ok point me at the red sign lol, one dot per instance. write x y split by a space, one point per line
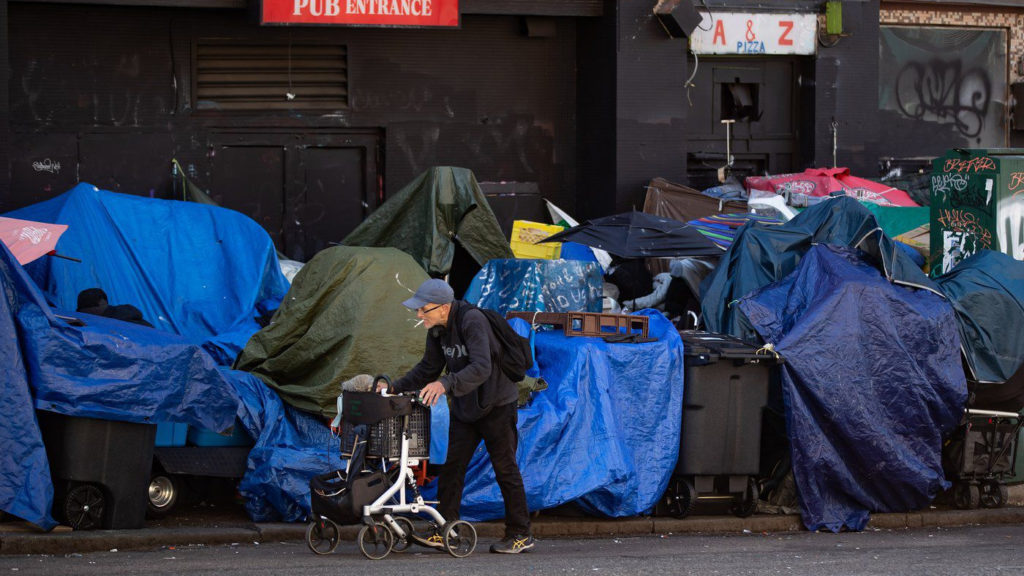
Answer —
434 13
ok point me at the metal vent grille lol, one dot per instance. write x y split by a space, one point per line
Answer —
237 76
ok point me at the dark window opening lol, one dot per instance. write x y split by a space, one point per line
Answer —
739 101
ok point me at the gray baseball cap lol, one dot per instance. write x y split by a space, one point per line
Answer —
433 291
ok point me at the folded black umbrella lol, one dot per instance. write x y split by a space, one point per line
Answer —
640 235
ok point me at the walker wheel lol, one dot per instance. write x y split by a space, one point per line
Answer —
966 496
746 504
322 536
459 538
375 541
402 543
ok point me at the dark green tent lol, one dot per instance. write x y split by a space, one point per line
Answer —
343 316
440 205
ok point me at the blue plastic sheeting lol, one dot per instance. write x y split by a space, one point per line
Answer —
605 433
871 384
987 292
574 251
762 254
291 447
107 369
537 286
202 272
25 487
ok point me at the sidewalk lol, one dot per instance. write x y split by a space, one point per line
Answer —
18 538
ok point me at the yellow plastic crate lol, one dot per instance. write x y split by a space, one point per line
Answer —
526 234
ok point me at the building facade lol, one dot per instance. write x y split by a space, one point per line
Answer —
308 128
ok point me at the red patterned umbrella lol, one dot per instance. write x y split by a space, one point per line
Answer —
29 240
825 181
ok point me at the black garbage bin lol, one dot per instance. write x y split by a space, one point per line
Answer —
724 394
100 470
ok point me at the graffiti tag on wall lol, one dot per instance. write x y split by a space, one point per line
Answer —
962 235
944 91
1010 226
975 165
942 87
1016 183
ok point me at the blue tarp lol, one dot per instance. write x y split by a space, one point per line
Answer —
871 384
537 286
202 272
604 433
107 369
987 292
761 254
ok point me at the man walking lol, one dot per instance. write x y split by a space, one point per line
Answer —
483 406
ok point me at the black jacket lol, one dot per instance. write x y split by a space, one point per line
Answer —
469 350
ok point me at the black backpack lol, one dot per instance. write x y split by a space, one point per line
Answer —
516 356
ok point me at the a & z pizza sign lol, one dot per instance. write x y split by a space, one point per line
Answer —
740 33
415 13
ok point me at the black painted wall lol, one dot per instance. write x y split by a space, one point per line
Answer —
105 93
631 107
846 90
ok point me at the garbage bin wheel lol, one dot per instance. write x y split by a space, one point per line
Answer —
992 494
746 503
163 494
966 496
83 507
322 536
679 498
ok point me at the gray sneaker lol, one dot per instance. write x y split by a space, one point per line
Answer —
513 545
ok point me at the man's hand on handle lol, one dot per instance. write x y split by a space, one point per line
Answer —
431 393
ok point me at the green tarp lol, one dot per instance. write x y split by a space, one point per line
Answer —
440 205
343 316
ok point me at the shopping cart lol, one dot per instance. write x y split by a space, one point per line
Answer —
384 437
981 457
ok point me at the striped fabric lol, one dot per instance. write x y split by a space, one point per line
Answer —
721 228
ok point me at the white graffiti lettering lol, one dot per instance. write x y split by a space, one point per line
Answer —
46 165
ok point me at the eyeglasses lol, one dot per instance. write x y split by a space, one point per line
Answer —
421 310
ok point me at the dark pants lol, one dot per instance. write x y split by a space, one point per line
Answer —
499 433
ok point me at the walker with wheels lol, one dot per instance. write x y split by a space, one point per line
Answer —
380 430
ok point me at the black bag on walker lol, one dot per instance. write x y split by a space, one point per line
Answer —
370 407
333 496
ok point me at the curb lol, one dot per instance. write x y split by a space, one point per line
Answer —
19 542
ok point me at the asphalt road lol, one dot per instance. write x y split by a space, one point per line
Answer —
989 550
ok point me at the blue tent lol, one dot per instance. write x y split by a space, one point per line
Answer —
202 272
106 369
871 385
761 254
